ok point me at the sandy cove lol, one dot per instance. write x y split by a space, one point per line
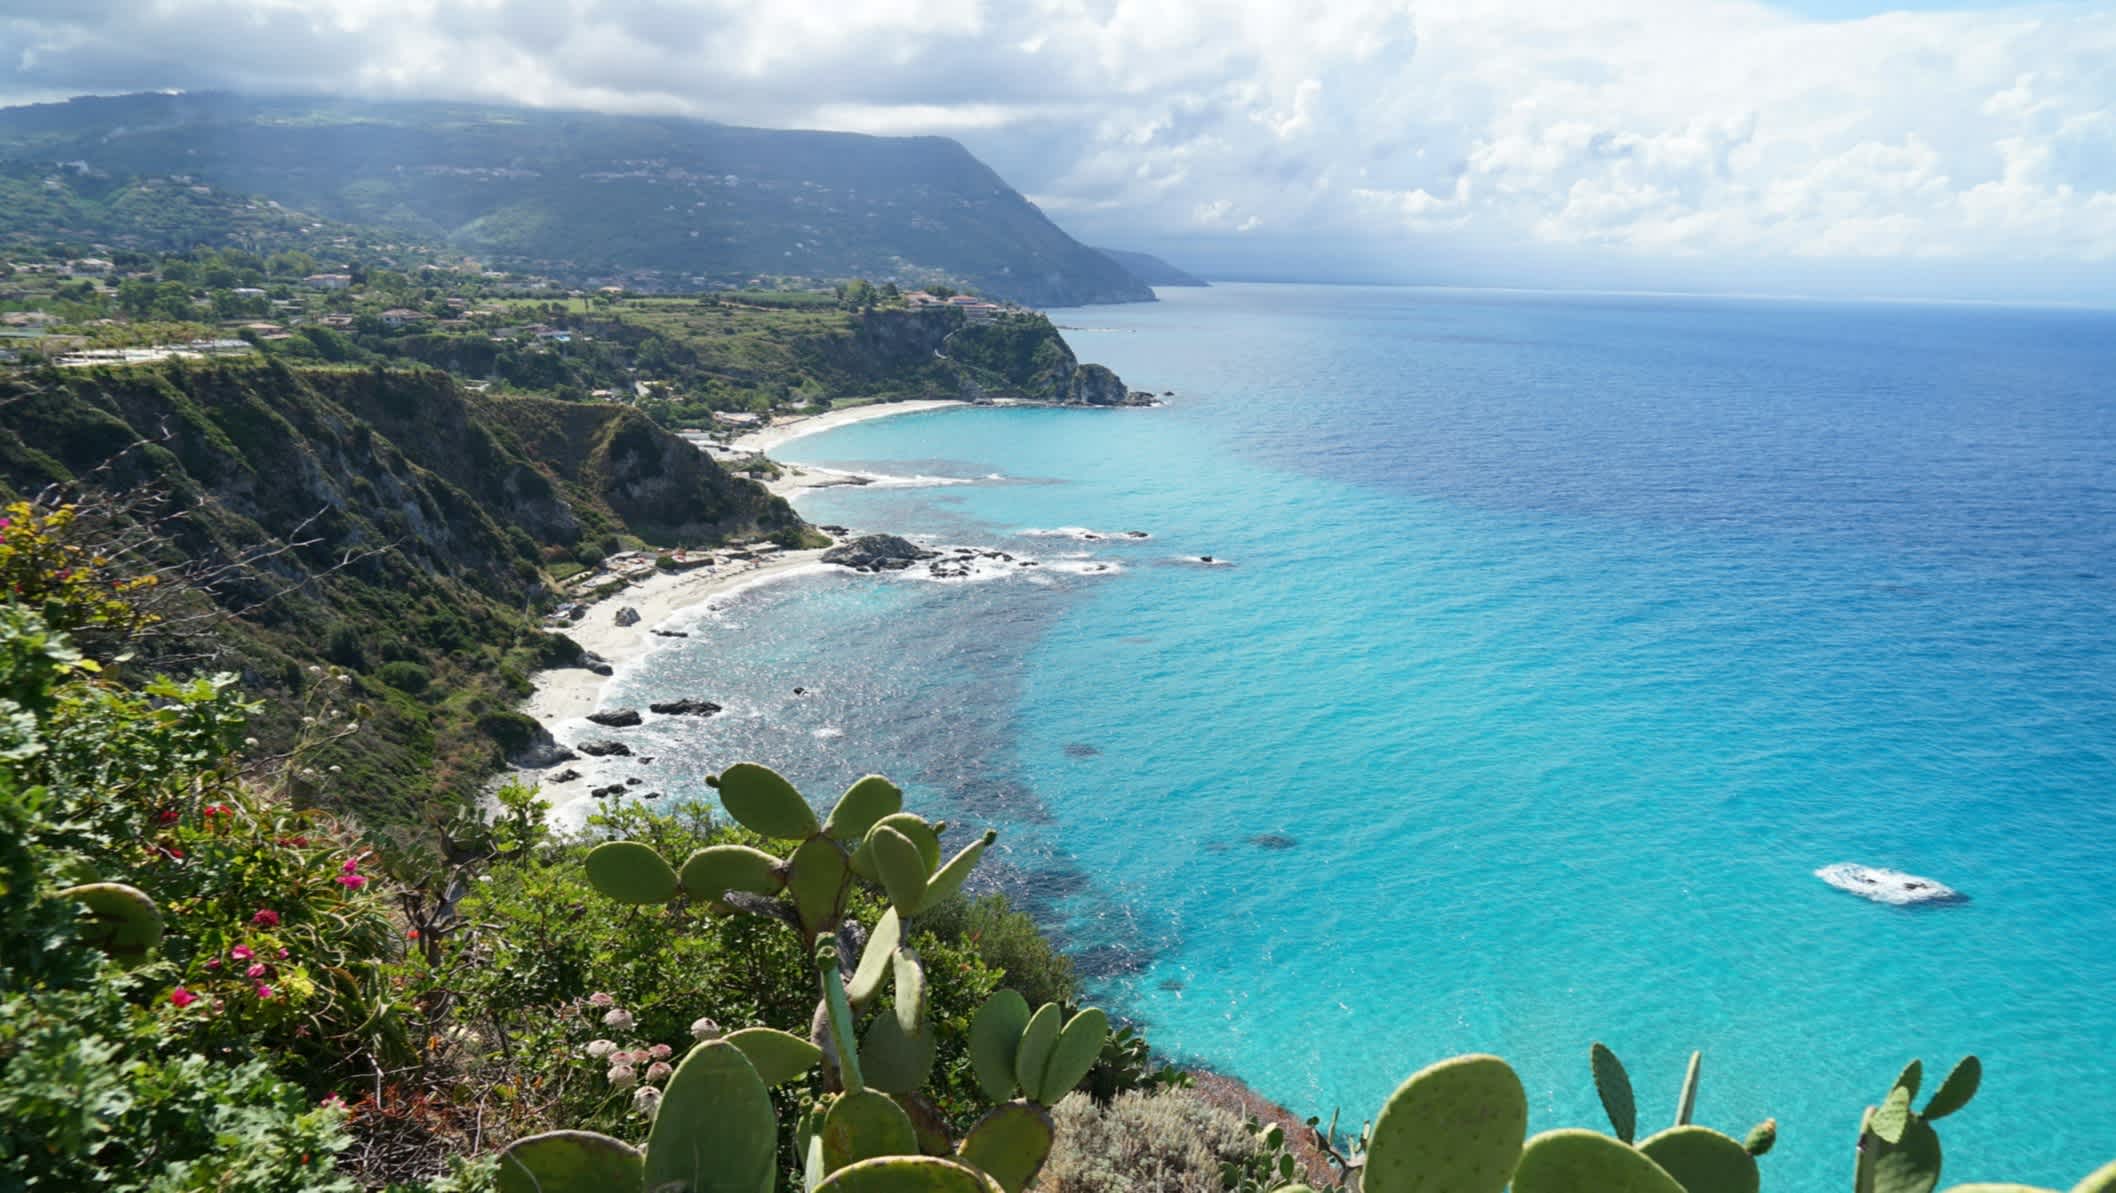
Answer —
569 693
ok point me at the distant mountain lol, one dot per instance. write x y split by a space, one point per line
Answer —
1151 269
660 202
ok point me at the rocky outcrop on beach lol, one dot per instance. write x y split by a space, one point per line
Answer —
1097 385
878 553
616 718
605 749
686 707
539 750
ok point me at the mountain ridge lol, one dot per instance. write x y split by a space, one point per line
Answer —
657 202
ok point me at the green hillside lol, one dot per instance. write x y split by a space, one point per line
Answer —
664 202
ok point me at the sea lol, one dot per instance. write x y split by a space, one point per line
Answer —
1549 645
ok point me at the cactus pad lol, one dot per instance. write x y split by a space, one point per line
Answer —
121 920
1010 1143
910 991
1079 1044
1585 1162
1911 1165
1890 1121
715 1132
1613 1085
2103 1180
630 873
863 803
903 871
909 1174
1033 1055
777 1056
818 880
949 878
863 1124
717 869
1703 1161
995 1037
1686 1104
921 833
1454 1127
765 803
570 1162
1911 1077
894 1061
1955 1092
874 960
1762 1138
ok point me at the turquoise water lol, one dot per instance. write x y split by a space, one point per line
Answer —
1563 640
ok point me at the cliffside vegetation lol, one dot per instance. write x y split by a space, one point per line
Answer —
382 521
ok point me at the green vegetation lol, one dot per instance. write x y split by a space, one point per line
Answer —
663 204
382 521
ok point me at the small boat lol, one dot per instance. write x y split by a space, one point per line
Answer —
1887 886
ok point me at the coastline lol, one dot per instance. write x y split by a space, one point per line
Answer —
570 693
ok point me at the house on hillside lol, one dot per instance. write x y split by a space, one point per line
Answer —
403 317
328 281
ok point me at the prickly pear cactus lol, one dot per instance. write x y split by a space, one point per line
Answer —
764 803
1613 1086
1079 1045
630 873
995 1039
863 803
1703 1161
777 1056
1010 1144
120 920
1586 1162
715 1132
909 1174
1957 1089
1455 1127
863 1124
570 1162
717 869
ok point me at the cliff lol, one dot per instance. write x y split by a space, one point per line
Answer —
395 518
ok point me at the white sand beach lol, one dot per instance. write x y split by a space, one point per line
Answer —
570 693
787 430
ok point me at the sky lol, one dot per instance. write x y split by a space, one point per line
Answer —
1933 148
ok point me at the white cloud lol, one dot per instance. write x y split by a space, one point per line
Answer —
1707 132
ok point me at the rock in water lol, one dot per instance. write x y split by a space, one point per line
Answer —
687 707
616 718
1887 886
605 749
878 552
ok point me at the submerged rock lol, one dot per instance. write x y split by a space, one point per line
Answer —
616 718
1887 886
686 707
1273 841
878 552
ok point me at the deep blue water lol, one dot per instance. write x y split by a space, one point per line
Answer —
1565 638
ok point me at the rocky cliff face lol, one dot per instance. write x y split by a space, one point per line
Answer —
1024 356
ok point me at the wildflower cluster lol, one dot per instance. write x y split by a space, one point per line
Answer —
641 1069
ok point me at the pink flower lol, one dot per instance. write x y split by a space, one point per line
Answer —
241 952
255 972
333 1101
282 954
658 1071
264 991
182 997
660 1051
351 882
212 963
351 864
599 999
265 918
167 816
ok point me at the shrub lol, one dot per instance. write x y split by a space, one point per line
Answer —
512 730
406 677
1168 1142
1008 941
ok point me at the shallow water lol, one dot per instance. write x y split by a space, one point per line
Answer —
1563 640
